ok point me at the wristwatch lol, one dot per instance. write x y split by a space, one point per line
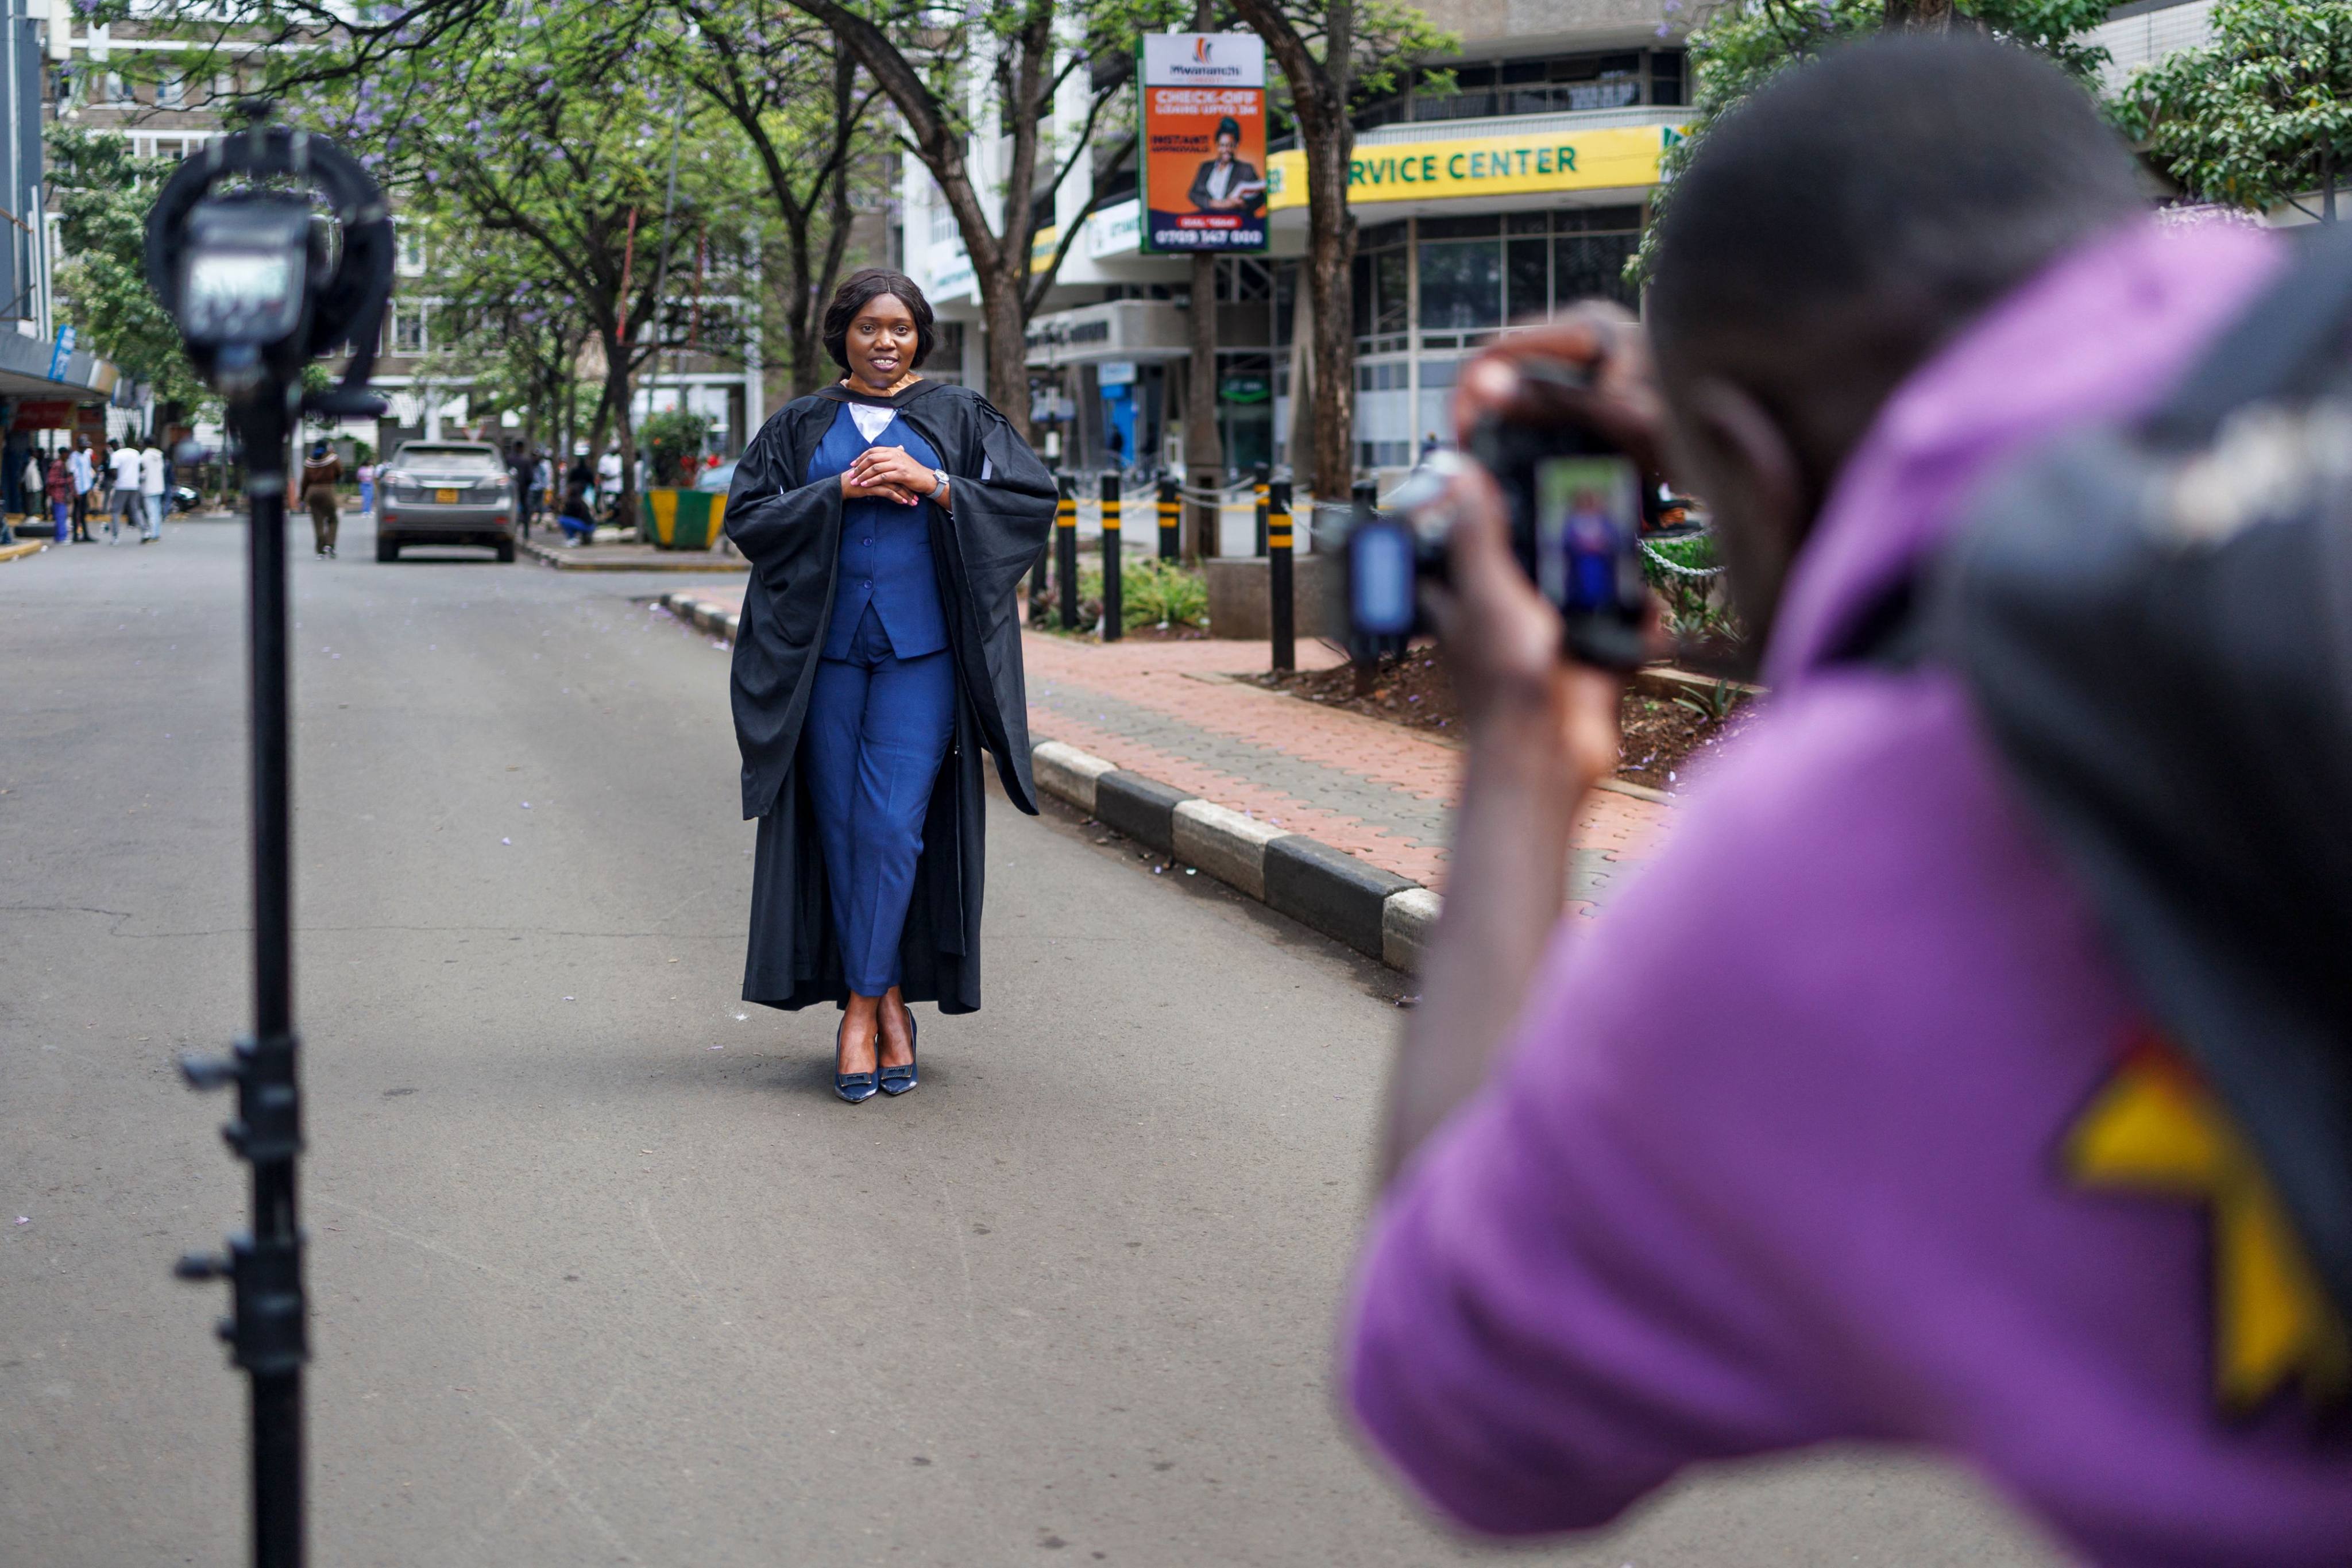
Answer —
941 476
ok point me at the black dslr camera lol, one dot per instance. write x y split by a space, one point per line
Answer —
1576 506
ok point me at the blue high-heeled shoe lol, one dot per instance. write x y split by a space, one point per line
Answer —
898 1081
856 1087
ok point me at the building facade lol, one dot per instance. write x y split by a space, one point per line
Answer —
1494 188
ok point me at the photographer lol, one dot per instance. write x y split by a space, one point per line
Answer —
1774 1155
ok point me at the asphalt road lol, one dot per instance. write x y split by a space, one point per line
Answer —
601 1271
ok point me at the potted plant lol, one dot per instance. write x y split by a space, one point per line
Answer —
683 518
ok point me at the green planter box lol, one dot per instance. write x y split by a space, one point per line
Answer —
686 520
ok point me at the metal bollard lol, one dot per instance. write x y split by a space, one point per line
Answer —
1281 617
1113 625
1262 474
1065 550
1170 512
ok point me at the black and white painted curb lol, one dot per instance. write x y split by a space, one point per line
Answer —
1377 912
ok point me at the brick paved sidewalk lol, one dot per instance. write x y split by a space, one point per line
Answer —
1174 712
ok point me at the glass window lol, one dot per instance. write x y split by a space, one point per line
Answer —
1590 266
1461 285
1389 272
407 330
1586 220
411 250
1460 227
172 91
1666 76
1527 280
1359 285
1527 223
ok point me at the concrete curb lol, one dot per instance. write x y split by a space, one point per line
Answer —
1377 912
23 548
564 559
701 616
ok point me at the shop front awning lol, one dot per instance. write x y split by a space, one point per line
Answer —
1117 330
36 370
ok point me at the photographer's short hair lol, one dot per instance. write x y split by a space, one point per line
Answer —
860 289
1893 187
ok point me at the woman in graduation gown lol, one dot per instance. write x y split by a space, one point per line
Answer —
888 521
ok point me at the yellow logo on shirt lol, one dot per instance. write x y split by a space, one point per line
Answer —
2156 1127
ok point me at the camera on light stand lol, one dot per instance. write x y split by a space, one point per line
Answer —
261 282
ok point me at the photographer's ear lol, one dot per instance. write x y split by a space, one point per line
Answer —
1742 463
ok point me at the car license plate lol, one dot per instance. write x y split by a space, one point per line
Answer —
444 498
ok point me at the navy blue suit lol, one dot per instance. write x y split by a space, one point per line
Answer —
881 710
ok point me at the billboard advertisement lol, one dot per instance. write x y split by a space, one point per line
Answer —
1204 141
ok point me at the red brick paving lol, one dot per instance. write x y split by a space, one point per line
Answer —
1168 714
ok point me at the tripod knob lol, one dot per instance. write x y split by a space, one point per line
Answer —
210 1072
199 1266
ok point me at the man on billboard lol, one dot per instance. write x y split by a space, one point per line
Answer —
1225 183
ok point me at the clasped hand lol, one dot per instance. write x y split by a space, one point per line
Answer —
890 473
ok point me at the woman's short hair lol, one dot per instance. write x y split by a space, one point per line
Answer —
860 289
1226 127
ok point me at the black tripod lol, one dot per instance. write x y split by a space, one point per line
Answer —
260 283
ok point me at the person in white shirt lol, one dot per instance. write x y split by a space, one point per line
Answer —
125 464
85 479
608 478
150 491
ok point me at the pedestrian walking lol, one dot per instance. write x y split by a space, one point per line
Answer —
124 462
322 471
1908 1159
542 483
34 482
153 473
887 519
367 488
84 469
579 516
57 484
522 471
608 483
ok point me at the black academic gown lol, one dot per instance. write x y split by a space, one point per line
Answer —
790 532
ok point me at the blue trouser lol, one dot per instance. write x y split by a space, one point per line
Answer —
878 729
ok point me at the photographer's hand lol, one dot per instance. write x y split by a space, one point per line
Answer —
1541 731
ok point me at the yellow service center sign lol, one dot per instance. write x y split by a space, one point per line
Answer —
1613 159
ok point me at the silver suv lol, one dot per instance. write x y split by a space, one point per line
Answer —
444 492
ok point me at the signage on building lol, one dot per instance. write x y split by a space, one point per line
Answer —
1619 157
1114 330
1116 230
62 352
1201 140
45 415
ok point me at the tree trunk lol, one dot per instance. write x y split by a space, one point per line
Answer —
1205 454
617 393
1007 346
1330 251
1922 16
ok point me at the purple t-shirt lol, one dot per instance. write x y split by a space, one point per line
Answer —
1774 1159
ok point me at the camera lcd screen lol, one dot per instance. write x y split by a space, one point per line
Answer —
1381 578
1588 519
230 282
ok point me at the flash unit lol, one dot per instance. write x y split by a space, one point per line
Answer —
243 277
